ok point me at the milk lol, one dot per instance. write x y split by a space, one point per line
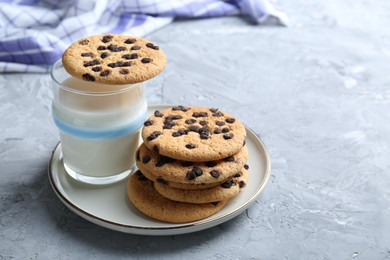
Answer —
99 127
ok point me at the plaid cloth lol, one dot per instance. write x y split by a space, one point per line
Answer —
34 33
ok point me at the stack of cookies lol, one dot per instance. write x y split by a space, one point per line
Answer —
192 161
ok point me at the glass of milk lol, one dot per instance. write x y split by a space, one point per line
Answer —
99 126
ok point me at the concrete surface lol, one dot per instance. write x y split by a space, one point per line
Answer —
317 92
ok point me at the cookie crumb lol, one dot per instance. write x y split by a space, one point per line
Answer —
83 42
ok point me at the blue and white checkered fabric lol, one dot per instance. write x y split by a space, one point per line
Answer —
34 33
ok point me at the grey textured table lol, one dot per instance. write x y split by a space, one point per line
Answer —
317 92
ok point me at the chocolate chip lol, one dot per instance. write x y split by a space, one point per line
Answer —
115 48
130 41
97 69
92 63
107 38
213 110
225 130
246 166
241 184
218 114
193 128
104 55
155 149
190 146
140 176
179 133
168 125
182 132
162 181
157 113
228 184
195 172
137 156
135 48
119 64
244 142
168 121
210 164
153 136
152 46
124 71
230 120
228 136
88 77
229 159
176 134
237 175
200 114
131 56
215 203
101 48
146 60
174 117
162 160
215 173
198 171
204 133
105 73
186 164
148 123
190 175
180 108
84 42
87 54
159 164
190 121
220 123
203 122
146 159
217 131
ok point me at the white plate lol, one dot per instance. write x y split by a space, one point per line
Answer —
108 206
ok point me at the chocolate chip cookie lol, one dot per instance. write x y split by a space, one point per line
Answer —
186 172
145 198
196 134
226 190
114 59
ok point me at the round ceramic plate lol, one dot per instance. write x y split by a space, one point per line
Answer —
108 206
